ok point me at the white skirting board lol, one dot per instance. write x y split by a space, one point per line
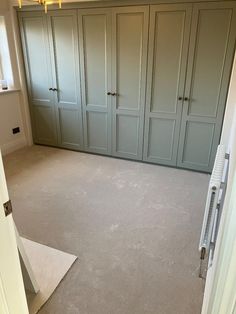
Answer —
49 267
13 146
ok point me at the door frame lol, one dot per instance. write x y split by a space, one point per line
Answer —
219 296
12 291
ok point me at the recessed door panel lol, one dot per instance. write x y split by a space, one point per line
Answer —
69 127
210 50
198 143
67 96
38 64
168 48
130 33
95 51
44 128
127 134
97 130
161 134
94 27
210 58
168 43
64 51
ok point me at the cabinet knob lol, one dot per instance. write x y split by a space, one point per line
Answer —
114 94
180 98
50 88
55 89
108 93
186 99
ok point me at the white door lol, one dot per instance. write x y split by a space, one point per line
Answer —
12 293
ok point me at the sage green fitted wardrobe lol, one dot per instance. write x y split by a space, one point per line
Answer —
141 82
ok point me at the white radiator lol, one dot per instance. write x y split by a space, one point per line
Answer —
211 216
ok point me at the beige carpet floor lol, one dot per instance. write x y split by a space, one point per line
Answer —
135 228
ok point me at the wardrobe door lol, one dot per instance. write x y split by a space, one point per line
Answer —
95 53
64 53
168 48
129 57
35 43
210 58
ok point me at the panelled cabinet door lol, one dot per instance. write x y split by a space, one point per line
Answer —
39 75
129 58
210 59
168 48
95 55
65 60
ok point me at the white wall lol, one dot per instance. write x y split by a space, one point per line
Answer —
230 108
3 5
11 117
14 104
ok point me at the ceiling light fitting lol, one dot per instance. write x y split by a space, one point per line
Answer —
45 3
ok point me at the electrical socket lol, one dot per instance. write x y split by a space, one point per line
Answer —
16 130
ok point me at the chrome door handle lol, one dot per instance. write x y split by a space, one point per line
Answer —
112 94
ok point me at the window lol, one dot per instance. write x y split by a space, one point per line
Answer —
6 76
1 71
1 61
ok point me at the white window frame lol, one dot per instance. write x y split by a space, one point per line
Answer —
1 70
6 72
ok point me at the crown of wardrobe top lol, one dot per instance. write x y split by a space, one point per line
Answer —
116 3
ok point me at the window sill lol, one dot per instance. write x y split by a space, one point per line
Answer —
7 91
